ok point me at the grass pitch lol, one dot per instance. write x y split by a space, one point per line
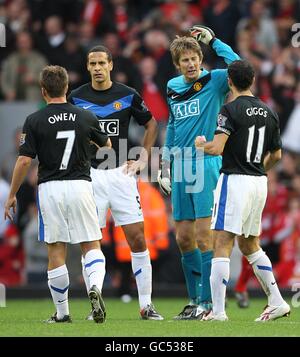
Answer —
25 318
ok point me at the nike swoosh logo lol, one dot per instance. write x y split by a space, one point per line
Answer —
273 283
60 301
87 106
174 96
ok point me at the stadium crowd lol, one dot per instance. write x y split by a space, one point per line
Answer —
138 33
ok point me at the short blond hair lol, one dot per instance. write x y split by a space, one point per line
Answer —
184 43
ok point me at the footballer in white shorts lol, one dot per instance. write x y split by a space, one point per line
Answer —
117 191
67 212
239 201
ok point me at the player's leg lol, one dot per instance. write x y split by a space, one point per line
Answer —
53 230
191 264
262 268
220 271
94 261
141 267
84 229
205 243
203 203
250 247
126 210
240 289
99 183
58 281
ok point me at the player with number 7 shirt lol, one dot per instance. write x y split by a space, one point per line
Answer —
60 135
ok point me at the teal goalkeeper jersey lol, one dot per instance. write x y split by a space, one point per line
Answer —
194 107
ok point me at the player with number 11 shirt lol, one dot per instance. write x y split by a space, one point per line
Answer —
249 137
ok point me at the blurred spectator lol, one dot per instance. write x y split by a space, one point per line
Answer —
36 258
52 43
288 167
222 16
153 90
287 270
124 71
9 159
87 37
92 12
181 14
156 44
265 34
291 136
122 15
11 257
74 61
11 250
20 74
4 191
17 16
40 10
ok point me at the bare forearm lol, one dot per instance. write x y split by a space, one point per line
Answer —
269 162
271 159
150 137
19 174
211 149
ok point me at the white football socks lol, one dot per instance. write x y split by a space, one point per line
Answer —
262 268
85 276
142 270
218 281
58 282
94 262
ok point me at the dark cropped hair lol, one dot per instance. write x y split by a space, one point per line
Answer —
55 80
242 74
100 48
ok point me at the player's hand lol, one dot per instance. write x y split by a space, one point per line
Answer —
203 34
164 177
200 141
134 167
10 203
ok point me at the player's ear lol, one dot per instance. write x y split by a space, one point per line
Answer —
43 92
111 65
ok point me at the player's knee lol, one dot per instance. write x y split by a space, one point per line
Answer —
138 243
248 246
184 242
204 240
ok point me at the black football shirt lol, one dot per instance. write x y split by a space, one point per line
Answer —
60 136
253 130
114 108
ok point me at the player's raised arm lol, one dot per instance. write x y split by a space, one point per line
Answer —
206 35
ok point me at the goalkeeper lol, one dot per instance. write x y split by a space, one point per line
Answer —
195 98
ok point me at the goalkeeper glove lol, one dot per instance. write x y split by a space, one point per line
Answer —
164 177
203 34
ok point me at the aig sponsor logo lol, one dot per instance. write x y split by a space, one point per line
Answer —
186 109
2 36
110 126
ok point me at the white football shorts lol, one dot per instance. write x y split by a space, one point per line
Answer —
238 204
67 212
118 191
